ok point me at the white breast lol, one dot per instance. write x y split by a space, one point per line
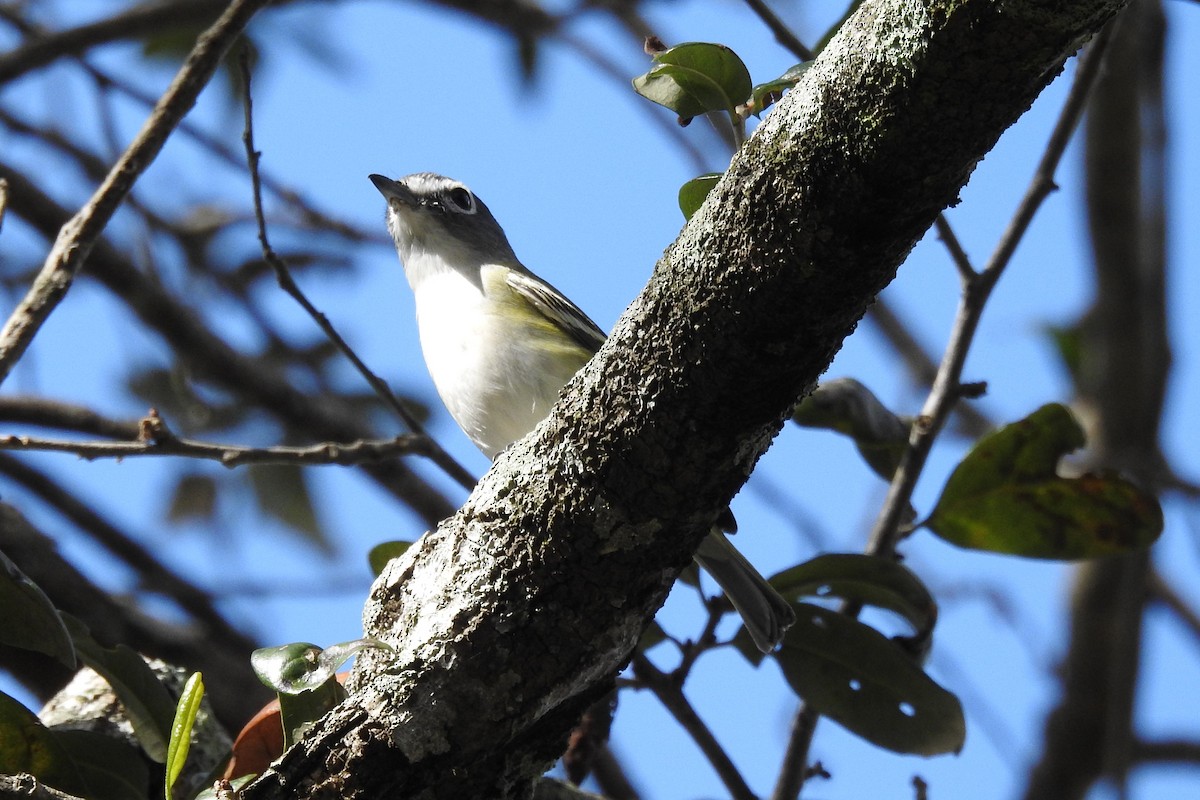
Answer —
497 381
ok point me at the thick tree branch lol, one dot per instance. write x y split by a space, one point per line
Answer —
947 385
515 614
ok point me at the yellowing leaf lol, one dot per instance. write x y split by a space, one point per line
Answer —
1007 497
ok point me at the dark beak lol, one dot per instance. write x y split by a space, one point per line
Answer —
393 190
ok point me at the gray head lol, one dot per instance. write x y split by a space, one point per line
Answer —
438 223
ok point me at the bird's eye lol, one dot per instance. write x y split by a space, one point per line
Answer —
462 199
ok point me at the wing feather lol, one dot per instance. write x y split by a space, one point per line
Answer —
555 306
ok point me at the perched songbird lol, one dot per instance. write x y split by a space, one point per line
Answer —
501 343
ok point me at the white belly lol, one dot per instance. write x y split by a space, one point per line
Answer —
497 382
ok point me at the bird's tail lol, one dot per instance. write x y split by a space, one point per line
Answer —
764 612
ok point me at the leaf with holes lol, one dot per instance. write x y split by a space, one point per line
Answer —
695 78
869 684
1007 497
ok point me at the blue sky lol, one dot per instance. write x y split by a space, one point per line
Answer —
584 182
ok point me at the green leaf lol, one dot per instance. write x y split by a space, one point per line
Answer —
692 193
298 712
869 684
384 552
300 666
181 729
147 702
848 407
870 580
765 94
112 769
1007 497
282 492
695 78
26 745
304 678
31 622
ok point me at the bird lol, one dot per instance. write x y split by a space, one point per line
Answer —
500 343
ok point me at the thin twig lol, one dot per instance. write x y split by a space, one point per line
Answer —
957 254
795 759
969 420
79 234
946 387
692 650
1166 594
284 277
671 695
229 455
133 23
44 413
3 201
1166 751
783 34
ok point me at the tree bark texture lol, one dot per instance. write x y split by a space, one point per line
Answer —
516 613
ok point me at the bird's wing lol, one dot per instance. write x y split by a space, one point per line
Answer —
554 306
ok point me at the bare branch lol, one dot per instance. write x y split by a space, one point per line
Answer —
957 254
140 20
670 693
77 237
1167 751
65 416
1166 594
783 34
164 443
946 388
284 277
969 420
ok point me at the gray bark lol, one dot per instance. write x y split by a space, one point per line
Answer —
516 613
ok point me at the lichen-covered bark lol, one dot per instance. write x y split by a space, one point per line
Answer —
518 611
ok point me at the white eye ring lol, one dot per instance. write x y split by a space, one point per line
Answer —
461 199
